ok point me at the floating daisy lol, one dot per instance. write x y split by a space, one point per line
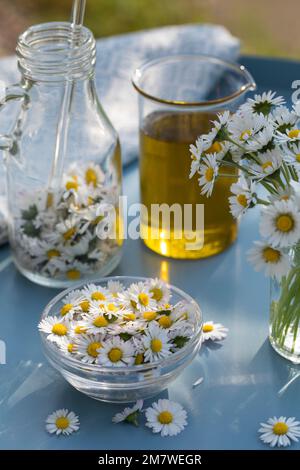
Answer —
62 422
141 298
166 417
280 223
269 163
243 196
263 104
208 172
129 414
55 328
67 345
88 347
273 261
280 431
160 291
213 331
116 353
156 343
96 293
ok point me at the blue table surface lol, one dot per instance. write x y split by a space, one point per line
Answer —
242 375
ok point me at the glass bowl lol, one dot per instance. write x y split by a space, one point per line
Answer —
128 383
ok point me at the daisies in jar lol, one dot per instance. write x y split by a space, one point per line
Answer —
262 141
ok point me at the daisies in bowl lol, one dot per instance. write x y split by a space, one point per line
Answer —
261 140
121 339
70 233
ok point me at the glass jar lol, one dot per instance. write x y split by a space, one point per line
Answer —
285 311
179 96
63 162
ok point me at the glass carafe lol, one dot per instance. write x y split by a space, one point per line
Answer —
179 96
63 162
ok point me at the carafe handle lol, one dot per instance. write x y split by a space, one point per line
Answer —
12 93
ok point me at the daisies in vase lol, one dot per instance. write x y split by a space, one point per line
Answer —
262 141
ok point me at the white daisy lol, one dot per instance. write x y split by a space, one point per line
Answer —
67 345
96 293
292 155
55 328
208 172
130 415
88 347
243 126
282 194
197 152
156 343
96 323
289 136
114 287
71 304
213 331
273 261
280 223
269 162
184 311
93 175
62 422
116 353
166 417
284 119
280 431
262 141
244 196
141 299
68 228
160 291
263 104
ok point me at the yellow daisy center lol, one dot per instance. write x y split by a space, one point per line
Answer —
100 322
73 274
149 316
91 177
165 417
271 255
209 174
59 329
156 345
285 197
280 428
294 133
92 349
85 305
70 348
214 148
157 293
245 133
267 165
71 185
139 359
98 296
62 422
69 233
297 157
65 309
111 307
129 317
285 223
242 200
53 253
79 330
115 354
143 299
207 328
165 321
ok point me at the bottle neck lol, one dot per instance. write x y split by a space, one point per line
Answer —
54 53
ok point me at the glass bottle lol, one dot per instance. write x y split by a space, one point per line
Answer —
63 162
179 96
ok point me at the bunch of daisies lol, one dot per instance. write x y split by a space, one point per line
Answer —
67 233
116 326
260 142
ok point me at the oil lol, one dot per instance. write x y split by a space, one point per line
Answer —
165 161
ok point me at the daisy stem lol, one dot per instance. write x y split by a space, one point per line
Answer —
262 201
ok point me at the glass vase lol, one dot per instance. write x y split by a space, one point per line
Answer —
63 162
285 311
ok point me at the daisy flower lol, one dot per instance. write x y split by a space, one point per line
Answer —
88 347
280 223
97 293
93 175
166 417
197 152
62 422
243 196
208 172
141 298
116 353
242 126
292 155
262 141
270 161
282 194
55 328
68 228
279 431
290 135
114 287
156 343
218 131
263 104
77 328
129 414
71 304
273 261
67 345
184 311
213 331
160 291
284 119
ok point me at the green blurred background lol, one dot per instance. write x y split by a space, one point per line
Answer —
266 27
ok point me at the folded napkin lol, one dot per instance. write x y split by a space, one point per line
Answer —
117 58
